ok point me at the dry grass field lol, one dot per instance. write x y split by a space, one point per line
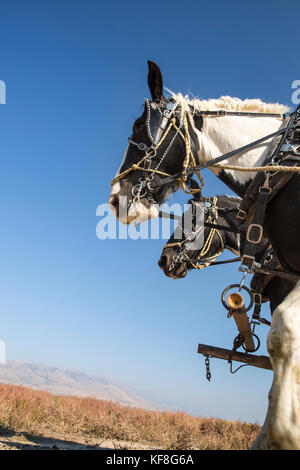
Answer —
37 419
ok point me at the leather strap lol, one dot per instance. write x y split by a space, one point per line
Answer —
255 229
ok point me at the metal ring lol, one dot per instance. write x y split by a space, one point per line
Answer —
137 190
252 350
297 149
154 150
238 286
142 146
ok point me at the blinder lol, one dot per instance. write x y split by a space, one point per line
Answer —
197 215
193 226
157 119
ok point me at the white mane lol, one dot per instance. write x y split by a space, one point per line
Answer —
224 134
229 104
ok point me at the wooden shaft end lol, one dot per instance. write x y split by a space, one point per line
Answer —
235 301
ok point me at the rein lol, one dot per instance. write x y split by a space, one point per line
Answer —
214 162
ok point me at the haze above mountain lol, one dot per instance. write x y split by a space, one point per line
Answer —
70 382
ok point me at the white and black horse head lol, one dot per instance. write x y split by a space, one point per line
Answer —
156 149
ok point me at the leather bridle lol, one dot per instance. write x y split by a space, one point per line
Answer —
169 116
169 113
203 260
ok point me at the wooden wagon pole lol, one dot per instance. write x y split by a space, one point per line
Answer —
262 362
236 303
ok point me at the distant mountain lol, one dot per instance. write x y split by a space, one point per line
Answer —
70 382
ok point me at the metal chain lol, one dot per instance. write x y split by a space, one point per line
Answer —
207 365
177 258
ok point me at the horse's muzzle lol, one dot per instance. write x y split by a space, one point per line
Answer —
179 271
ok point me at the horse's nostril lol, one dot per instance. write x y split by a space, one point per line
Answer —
162 261
114 202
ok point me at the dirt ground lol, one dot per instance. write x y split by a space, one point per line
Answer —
23 441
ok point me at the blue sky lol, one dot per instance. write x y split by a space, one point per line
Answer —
76 75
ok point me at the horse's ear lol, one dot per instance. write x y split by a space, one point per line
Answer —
155 81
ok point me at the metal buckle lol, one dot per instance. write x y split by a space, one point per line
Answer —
167 113
257 298
142 146
265 188
290 148
296 149
207 205
257 240
247 267
241 214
